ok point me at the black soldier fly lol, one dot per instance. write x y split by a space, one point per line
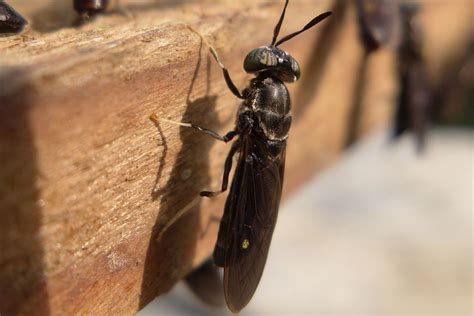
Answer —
89 8
262 125
10 20
378 25
414 100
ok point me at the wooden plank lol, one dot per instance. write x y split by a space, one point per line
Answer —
87 182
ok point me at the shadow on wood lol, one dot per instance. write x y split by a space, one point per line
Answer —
21 263
310 82
162 256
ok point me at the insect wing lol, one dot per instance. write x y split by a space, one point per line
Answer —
253 209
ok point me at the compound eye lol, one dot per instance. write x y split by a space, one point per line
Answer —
260 59
295 68
267 58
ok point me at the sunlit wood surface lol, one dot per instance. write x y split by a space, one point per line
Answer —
87 182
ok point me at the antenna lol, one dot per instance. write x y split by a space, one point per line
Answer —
276 31
312 23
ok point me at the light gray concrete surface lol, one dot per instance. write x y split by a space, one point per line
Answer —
384 231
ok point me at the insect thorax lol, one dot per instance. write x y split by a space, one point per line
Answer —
268 103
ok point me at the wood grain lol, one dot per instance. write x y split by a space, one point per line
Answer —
87 182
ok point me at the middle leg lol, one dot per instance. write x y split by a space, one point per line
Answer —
226 138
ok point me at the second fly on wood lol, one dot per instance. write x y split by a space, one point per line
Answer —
262 126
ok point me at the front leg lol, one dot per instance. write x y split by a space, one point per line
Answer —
228 80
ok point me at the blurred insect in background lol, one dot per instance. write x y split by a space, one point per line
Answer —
10 20
89 8
262 126
413 111
452 97
379 25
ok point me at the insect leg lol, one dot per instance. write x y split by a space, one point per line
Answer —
227 168
227 77
226 138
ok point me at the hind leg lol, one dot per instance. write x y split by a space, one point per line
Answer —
227 168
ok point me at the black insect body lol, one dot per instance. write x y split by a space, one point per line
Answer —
90 8
379 23
262 125
414 101
379 26
251 208
10 20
